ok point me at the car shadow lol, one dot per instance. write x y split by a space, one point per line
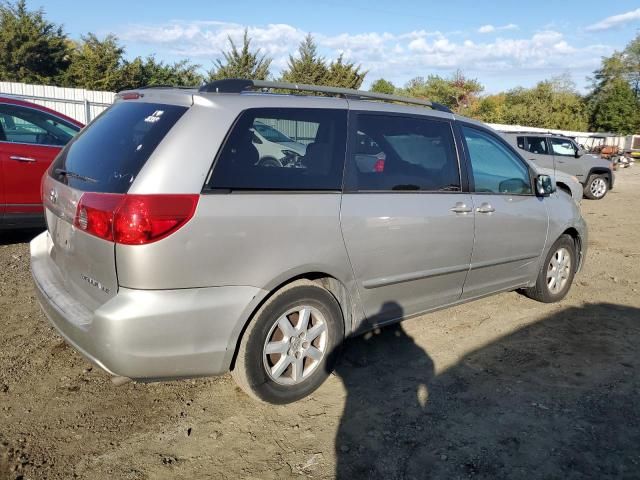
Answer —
556 399
11 237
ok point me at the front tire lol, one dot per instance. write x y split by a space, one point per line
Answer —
597 187
289 347
557 272
269 162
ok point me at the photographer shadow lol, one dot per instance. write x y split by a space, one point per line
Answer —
386 376
555 399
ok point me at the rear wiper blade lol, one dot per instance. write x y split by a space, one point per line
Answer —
70 174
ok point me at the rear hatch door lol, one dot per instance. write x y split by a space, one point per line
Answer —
104 159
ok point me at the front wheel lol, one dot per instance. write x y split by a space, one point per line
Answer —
269 162
290 346
597 187
557 272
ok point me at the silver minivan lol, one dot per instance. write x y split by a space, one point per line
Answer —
173 251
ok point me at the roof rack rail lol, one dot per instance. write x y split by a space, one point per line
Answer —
532 132
239 85
161 85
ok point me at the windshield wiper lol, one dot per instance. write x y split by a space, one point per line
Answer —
70 174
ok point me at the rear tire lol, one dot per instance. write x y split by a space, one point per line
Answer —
556 273
596 187
290 345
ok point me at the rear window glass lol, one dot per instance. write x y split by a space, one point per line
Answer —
283 149
109 153
537 145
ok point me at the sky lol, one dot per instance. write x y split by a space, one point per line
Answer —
504 44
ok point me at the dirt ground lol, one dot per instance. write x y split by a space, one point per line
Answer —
503 387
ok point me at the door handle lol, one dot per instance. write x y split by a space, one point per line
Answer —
460 207
22 159
485 208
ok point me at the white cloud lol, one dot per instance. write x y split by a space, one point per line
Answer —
491 28
397 57
209 38
615 21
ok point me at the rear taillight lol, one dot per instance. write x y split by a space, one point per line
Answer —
133 219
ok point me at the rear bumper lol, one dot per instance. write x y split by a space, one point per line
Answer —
147 334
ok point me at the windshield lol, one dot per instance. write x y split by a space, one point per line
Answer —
271 133
563 146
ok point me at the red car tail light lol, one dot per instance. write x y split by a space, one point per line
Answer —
130 95
133 219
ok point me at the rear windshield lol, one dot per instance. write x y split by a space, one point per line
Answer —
108 154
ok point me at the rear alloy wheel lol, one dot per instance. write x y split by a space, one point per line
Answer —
597 187
557 272
291 344
295 345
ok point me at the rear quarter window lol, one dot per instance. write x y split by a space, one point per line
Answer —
108 154
282 149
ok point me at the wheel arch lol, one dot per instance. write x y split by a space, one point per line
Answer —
577 239
564 187
329 282
601 171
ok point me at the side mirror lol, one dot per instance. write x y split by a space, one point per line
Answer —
580 152
545 186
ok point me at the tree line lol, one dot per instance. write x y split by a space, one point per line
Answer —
611 105
36 50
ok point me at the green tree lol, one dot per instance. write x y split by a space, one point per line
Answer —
632 64
241 63
96 64
456 92
148 71
32 49
489 109
308 67
383 86
615 108
613 67
615 97
550 104
344 74
100 65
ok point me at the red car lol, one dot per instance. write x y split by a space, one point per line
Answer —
30 138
